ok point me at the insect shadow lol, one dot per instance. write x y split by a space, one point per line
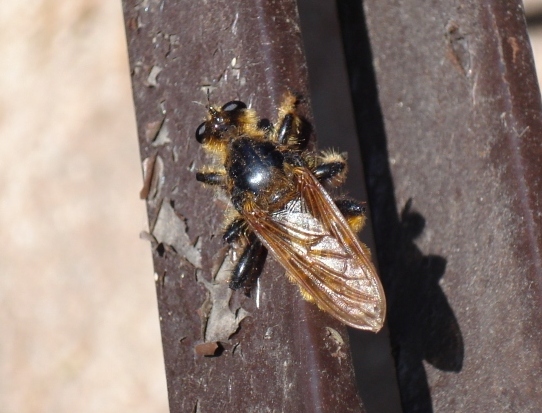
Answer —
421 322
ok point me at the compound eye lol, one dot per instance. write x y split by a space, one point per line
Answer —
233 106
200 133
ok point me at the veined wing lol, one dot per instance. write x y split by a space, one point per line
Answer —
313 242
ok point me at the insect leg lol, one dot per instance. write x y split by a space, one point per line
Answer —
266 127
250 265
217 178
235 230
291 129
284 132
353 211
331 168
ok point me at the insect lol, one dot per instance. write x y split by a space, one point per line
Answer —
279 204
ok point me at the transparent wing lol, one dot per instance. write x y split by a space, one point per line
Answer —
313 242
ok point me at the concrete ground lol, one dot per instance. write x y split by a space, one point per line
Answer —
78 320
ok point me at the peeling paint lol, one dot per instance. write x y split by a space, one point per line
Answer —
152 128
516 47
170 229
337 340
335 336
221 321
458 48
207 349
152 79
153 178
162 137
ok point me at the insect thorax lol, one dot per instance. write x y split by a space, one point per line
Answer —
257 167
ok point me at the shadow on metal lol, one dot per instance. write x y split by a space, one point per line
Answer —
421 321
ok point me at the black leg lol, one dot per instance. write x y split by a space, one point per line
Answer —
353 211
285 130
250 265
235 230
327 171
266 126
330 168
212 178
291 129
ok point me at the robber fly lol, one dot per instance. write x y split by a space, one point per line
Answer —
279 204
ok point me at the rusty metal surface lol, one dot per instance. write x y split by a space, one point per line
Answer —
449 113
285 355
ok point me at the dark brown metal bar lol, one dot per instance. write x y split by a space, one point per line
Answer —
334 121
272 352
449 117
